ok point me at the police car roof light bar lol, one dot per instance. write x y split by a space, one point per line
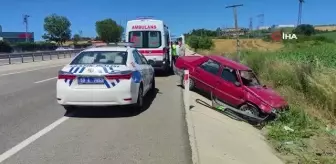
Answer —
121 44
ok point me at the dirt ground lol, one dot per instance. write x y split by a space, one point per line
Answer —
229 45
325 28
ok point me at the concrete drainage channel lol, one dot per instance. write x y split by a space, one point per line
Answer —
191 131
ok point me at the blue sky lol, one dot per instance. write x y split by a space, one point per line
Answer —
180 15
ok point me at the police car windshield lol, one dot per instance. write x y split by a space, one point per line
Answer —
101 57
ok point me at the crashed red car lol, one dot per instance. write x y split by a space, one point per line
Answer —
233 83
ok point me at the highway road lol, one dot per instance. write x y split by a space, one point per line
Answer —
34 129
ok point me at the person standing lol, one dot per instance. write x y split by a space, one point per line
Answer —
182 47
174 52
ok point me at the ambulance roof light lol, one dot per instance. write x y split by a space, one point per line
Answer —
144 17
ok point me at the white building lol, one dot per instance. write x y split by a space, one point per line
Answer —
263 28
284 26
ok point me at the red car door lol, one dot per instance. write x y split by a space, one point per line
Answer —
205 75
228 88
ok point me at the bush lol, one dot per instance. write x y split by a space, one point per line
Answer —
199 42
5 47
83 45
205 43
304 29
32 46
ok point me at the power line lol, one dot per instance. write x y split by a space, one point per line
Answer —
234 7
261 18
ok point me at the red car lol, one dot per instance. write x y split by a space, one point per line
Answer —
233 83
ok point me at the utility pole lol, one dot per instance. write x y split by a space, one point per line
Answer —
251 27
25 21
236 27
261 18
300 12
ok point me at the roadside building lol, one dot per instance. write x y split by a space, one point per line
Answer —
16 37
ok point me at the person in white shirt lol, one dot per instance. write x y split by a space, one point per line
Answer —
181 48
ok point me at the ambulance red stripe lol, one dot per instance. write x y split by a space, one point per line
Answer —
152 52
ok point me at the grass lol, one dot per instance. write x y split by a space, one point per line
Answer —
305 74
330 35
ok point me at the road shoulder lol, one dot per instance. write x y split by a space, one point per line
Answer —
26 67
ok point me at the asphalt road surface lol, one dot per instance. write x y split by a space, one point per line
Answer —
34 129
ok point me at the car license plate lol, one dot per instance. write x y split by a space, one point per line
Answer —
90 80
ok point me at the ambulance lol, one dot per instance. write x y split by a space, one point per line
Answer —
151 37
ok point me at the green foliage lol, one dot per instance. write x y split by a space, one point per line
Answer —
304 29
298 120
308 70
5 47
330 35
83 45
204 32
109 31
198 42
76 38
57 29
192 41
306 76
31 46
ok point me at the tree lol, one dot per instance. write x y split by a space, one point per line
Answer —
5 47
76 38
57 29
304 29
193 42
109 31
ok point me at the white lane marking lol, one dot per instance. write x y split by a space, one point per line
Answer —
31 139
45 80
30 70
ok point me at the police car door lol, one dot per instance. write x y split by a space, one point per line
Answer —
149 69
142 69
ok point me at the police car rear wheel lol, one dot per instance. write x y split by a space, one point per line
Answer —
153 85
139 103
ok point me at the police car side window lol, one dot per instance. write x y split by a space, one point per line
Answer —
143 59
137 58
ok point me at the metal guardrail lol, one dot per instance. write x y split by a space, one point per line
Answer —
43 54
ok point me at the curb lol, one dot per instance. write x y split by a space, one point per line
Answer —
191 133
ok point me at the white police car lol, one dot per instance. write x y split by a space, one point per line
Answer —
105 76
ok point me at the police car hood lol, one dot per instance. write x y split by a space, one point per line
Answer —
97 69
